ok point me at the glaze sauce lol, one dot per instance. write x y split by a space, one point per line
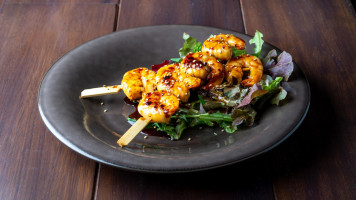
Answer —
136 115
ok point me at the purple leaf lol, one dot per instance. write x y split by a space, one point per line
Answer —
283 68
268 61
255 91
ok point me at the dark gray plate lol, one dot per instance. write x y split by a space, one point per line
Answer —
84 126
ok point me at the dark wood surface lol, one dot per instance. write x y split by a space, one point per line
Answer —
317 162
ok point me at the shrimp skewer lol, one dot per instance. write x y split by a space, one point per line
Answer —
134 83
171 79
159 106
202 65
138 81
154 107
100 91
234 70
135 129
220 46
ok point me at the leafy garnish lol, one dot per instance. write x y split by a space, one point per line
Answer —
229 106
258 41
190 45
269 84
243 115
282 67
276 93
255 91
237 52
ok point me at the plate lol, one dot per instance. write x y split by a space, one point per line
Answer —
83 126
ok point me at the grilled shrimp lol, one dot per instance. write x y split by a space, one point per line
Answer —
220 46
170 79
159 106
138 81
202 65
234 70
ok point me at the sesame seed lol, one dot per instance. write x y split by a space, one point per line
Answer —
105 110
145 137
102 103
189 139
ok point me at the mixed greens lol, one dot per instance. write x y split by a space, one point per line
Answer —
230 106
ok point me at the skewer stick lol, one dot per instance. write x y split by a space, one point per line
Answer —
245 69
100 91
133 131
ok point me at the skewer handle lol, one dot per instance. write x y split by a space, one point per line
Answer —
100 91
133 131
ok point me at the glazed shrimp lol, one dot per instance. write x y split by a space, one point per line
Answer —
220 46
234 70
170 79
138 81
159 106
202 65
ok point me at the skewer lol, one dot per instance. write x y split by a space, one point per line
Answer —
135 129
245 69
100 91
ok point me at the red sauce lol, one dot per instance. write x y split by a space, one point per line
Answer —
156 67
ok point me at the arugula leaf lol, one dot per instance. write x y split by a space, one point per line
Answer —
258 41
202 101
228 127
170 130
190 45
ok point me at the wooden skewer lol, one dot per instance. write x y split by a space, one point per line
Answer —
245 69
133 131
100 91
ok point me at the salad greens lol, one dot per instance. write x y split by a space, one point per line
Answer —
229 106
257 40
190 45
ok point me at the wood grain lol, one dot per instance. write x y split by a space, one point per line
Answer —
134 13
62 1
319 161
33 163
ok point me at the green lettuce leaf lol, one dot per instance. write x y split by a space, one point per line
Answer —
258 42
190 45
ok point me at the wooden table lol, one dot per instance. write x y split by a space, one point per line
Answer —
317 162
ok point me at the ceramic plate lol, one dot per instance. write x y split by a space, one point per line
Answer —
82 124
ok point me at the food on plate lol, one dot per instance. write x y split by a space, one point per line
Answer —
158 106
220 46
172 79
138 81
215 84
234 70
204 66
